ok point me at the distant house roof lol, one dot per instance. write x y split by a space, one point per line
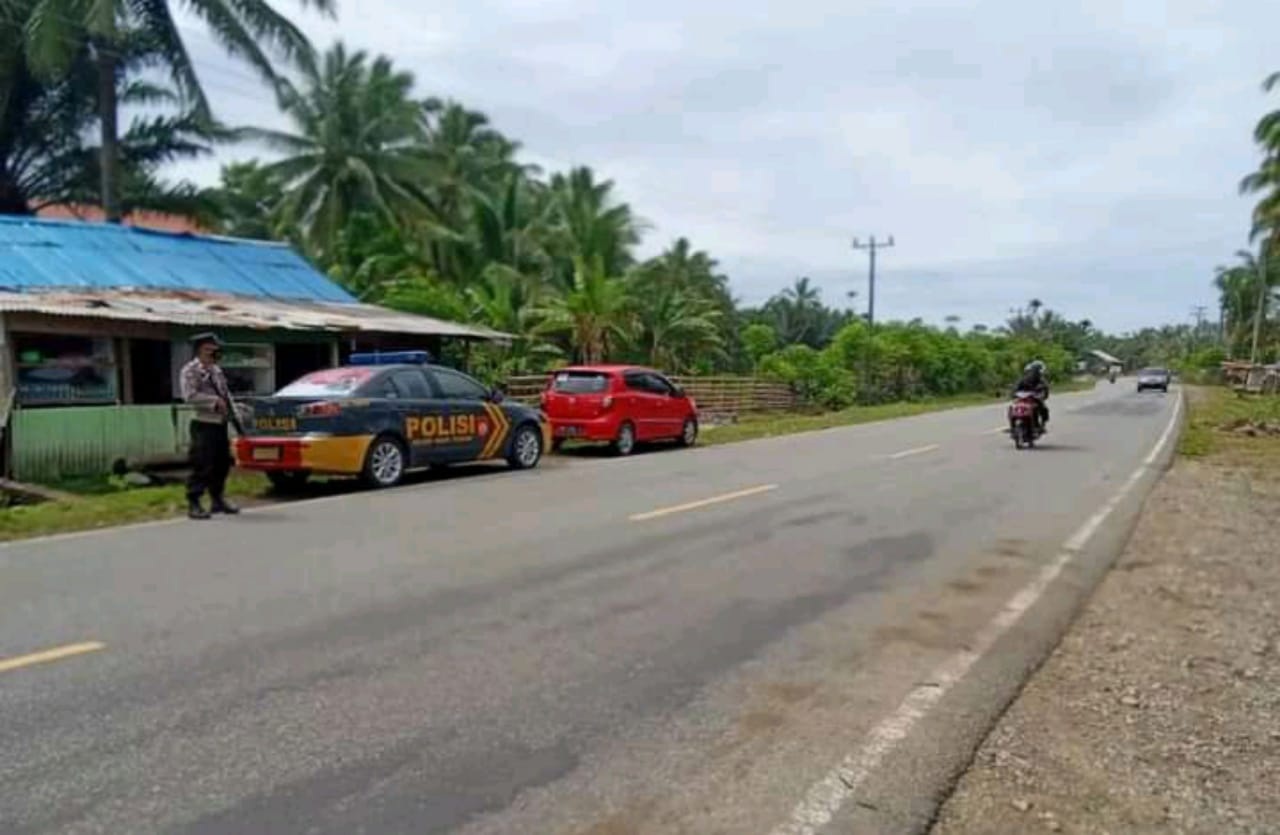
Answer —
1105 357
41 255
158 221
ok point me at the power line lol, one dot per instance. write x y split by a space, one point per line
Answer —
871 247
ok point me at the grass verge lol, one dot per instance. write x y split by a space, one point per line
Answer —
101 504
1214 419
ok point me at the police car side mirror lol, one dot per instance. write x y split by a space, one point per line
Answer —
496 395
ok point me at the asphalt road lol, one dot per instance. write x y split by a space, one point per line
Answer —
682 641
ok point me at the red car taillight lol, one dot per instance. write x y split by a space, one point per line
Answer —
326 408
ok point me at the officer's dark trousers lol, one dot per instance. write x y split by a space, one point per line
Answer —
210 460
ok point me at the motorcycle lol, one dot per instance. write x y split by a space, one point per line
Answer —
1024 427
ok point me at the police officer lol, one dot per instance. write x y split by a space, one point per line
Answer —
204 387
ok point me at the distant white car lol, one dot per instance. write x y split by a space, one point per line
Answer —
1154 378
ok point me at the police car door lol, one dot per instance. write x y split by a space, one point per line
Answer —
470 427
411 400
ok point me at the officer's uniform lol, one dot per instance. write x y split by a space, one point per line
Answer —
204 387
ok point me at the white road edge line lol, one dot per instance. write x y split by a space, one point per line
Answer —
920 450
825 797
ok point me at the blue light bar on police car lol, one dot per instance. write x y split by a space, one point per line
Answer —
390 358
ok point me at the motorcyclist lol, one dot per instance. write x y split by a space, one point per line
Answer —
1035 381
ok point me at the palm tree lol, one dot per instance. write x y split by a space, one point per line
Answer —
246 199
799 317
1234 300
803 294
1266 180
469 157
592 225
45 158
357 146
1255 281
674 328
472 170
57 31
594 314
685 309
508 226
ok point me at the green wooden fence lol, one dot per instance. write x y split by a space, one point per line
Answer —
50 444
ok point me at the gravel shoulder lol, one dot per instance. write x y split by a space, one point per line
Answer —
1160 709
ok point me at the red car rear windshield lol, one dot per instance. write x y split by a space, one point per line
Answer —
580 382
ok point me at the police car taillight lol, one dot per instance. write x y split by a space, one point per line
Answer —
325 408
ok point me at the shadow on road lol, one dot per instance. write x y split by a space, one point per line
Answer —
1041 446
321 488
596 451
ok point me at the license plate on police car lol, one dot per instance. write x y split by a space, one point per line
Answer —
266 453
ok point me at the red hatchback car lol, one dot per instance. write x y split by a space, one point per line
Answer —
618 404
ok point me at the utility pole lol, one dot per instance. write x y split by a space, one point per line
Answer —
871 247
1198 312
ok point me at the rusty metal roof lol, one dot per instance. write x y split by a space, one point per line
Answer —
229 311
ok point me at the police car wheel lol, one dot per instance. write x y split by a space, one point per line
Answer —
625 444
526 448
384 463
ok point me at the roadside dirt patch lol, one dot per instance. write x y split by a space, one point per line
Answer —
1160 710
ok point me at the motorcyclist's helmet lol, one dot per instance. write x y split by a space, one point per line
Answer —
1035 366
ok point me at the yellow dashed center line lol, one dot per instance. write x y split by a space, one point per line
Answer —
45 656
681 508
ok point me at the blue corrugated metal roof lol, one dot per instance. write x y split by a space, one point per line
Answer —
45 254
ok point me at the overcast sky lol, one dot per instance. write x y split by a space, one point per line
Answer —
1086 154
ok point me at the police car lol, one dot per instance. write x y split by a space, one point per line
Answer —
382 415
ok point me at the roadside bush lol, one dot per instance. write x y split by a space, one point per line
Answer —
816 378
759 341
909 361
1204 367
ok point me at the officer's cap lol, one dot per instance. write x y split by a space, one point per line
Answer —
206 338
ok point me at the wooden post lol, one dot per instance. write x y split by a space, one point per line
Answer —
124 368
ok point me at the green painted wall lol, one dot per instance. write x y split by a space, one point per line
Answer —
49 444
